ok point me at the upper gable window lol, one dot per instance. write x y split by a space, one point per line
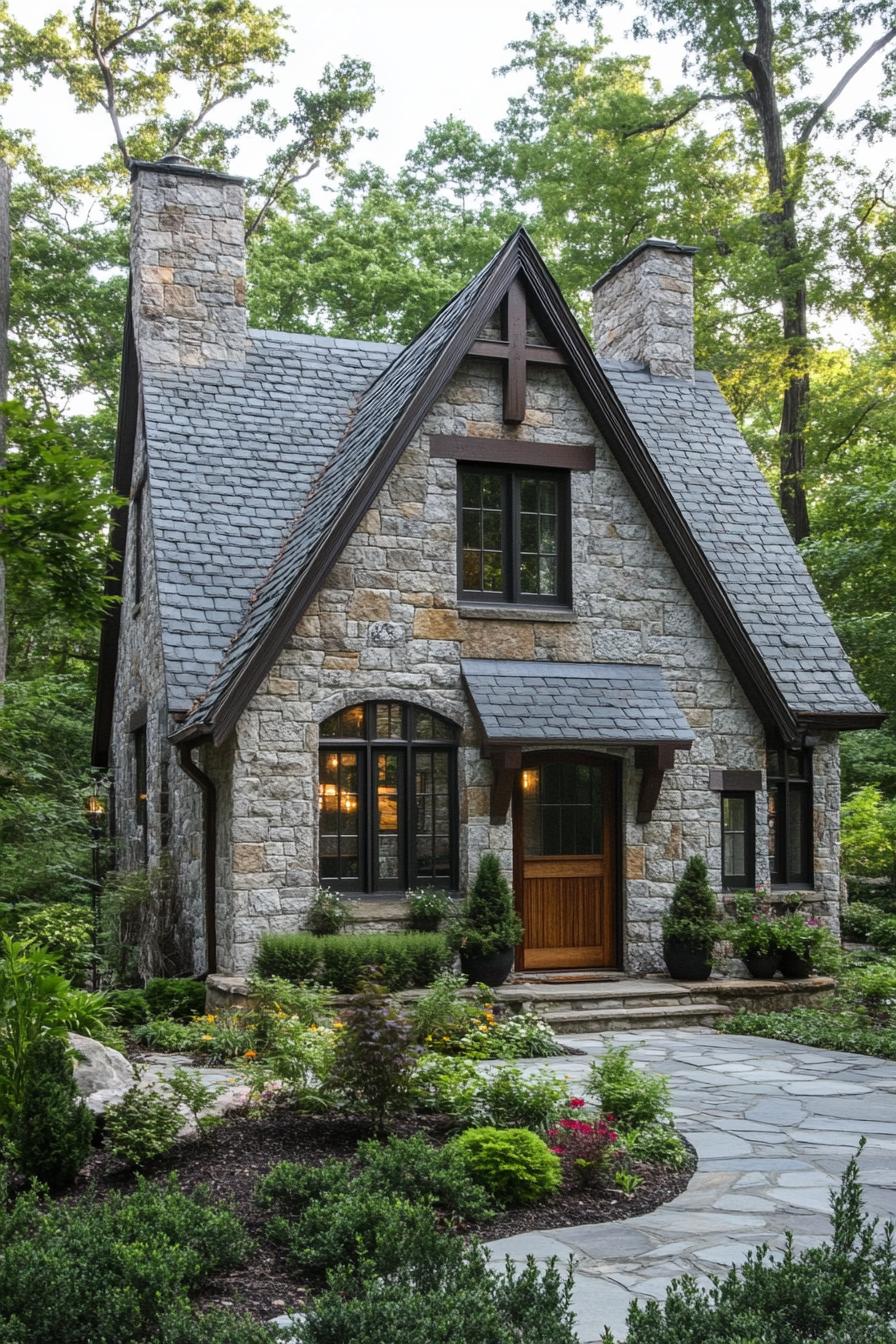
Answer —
513 529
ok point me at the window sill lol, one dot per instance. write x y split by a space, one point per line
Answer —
798 888
512 611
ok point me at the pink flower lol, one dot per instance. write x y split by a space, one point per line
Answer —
576 1102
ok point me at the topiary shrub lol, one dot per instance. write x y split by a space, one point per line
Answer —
127 1007
178 999
514 1165
691 926
54 1127
487 922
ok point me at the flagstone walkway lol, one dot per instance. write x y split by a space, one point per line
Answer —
774 1124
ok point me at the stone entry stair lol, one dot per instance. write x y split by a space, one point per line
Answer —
653 1001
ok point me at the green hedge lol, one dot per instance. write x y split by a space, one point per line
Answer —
405 960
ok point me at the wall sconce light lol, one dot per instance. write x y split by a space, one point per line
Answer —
529 781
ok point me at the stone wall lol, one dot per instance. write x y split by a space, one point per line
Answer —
387 623
643 309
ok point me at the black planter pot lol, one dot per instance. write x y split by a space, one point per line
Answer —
683 962
795 967
762 965
490 970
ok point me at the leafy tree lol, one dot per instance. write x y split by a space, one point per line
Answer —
55 1127
868 836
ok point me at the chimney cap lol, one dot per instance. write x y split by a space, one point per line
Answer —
658 244
177 164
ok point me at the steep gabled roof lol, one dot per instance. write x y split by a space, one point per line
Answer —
690 524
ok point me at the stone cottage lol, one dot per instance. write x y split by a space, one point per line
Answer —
384 609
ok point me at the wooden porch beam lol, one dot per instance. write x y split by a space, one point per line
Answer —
535 354
506 763
653 762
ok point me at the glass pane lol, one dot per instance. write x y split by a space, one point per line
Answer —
773 834
547 576
346 723
547 533
552 830
797 835
472 490
430 727
492 572
562 809
472 570
529 574
491 530
339 815
387 793
388 720
529 495
547 496
472 529
734 839
492 492
528 531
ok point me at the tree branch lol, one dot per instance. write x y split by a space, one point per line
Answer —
196 122
281 181
109 82
842 83
668 122
857 424
131 32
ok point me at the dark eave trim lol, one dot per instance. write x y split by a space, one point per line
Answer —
491 744
844 723
125 439
516 452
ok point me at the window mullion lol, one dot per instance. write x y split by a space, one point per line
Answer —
512 509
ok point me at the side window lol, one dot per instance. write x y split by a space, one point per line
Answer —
738 840
790 817
514 535
140 788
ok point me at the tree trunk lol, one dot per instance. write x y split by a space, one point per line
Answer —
5 176
782 246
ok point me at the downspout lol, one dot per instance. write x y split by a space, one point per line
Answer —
209 849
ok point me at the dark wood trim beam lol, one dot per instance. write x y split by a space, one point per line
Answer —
844 723
653 762
515 368
734 781
515 452
506 764
535 354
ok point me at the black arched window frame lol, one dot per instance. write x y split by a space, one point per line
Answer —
406 742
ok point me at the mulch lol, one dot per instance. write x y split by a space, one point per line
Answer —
230 1160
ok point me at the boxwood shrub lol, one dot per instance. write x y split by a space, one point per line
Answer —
404 960
180 999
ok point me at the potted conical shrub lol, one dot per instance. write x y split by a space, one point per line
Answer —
488 928
691 927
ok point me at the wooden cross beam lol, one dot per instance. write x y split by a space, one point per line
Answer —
516 353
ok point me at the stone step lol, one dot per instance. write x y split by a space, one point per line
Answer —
622 1019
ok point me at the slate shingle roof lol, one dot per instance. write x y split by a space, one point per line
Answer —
694 440
623 704
232 453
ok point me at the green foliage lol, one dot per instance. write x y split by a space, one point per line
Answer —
65 931
816 1027
633 1098
656 1142
487 922
296 1060
511 1099
355 1224
427 908
842 1290
883 935
693 918
161 1033
127 1007
44 748
142 1126
405 960
54 1126
327 912
373 1063
514 1165
447 1086
178 999
117 1271
35 1001
443 1291
752 932
445 1012
868 834
187 1090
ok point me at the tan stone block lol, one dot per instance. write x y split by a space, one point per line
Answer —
498 639
478 801
673 849
568 643
634 861
370 523
411 510
283 686
367 605
248 858
431 623
341 662
418 599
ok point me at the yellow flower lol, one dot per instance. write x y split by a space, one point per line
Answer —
206 1037
483 1028
313 1027
429 1037
250 1054
337 1025
446 1038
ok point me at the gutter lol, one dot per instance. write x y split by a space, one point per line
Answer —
209 848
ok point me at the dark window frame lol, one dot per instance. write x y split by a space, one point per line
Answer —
783 784
141 785
368 748
511 595
749 877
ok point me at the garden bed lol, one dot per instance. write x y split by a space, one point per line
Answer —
232 1158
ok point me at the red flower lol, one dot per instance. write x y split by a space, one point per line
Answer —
576 1102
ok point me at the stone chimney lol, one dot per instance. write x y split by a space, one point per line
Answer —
643 308
188 265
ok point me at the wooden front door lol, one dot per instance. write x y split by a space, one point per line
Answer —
564 827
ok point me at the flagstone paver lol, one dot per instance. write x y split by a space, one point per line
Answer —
773 1126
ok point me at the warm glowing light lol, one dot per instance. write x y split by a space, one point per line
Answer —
95 808
529 780
332 762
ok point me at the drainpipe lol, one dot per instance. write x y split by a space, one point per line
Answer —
209 848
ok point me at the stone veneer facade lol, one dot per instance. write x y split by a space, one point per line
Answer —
643 308
387 622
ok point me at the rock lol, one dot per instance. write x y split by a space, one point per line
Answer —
102 1075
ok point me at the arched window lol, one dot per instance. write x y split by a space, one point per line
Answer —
387 798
